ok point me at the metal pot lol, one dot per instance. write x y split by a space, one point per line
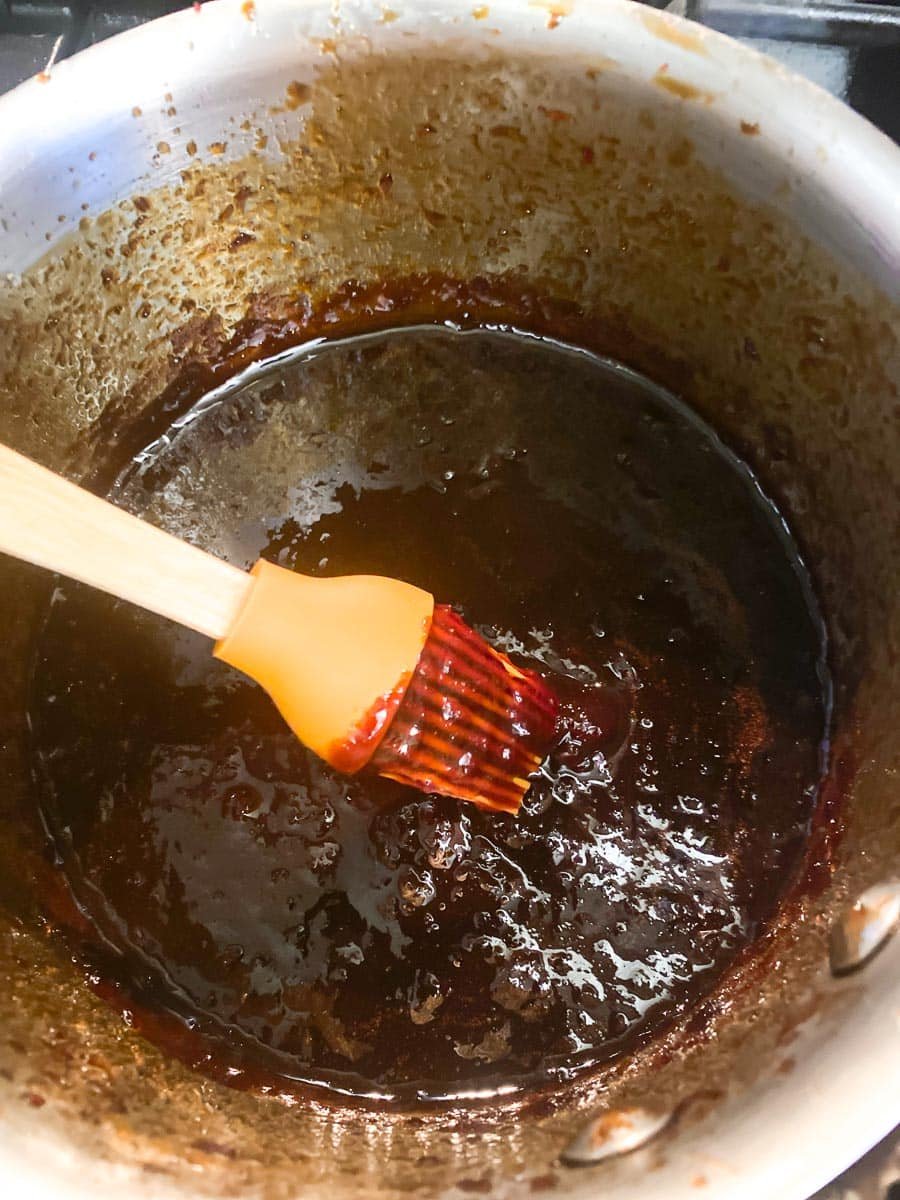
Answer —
744 247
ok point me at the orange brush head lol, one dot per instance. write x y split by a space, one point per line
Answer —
368 671
470 724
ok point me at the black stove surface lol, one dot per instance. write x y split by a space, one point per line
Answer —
36 32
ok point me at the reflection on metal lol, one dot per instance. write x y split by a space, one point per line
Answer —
831 22
612 1133
865 928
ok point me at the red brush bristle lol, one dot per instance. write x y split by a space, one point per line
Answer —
471 724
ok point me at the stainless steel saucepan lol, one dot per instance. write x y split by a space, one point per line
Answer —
744 238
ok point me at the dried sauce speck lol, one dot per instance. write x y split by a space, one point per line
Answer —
296 94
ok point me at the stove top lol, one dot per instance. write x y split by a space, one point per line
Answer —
850 49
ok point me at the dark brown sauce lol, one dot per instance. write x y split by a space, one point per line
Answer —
280 926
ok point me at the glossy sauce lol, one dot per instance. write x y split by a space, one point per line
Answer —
281 926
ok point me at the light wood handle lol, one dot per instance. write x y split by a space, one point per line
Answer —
48 521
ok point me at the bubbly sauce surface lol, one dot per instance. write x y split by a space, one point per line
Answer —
280 926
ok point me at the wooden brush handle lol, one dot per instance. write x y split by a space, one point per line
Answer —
48 521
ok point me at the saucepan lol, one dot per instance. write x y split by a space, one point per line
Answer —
743 231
